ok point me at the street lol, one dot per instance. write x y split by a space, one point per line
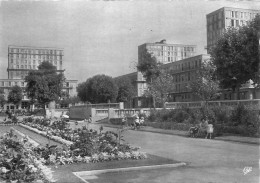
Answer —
209 160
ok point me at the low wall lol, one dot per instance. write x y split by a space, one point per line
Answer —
80 112
255 103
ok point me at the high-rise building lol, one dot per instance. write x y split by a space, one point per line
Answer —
218 21
166 53
22 59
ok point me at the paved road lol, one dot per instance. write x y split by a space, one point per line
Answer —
210 161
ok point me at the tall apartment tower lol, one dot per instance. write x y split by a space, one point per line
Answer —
166 53
23 59
218 21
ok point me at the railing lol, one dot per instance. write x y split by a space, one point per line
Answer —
101 112
100 106
255 103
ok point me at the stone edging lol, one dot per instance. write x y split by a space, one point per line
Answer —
96 172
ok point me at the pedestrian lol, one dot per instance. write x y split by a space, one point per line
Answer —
209 131
124 120
203 126
137 122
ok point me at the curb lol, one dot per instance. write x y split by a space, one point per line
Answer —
239 141
84 174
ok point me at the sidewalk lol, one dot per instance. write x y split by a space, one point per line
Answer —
240 139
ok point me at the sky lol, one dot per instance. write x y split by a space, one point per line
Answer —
102 37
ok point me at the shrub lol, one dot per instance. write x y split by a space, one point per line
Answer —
180 116
243 115
222 114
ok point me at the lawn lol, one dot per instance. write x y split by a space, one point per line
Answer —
63 174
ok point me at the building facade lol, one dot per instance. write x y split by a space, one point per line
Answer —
223 18
183 73
21 60
166 53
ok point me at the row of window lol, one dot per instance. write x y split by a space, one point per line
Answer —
236 23
23 84
193 64
18 74
35 56
171 54
35 51
12 83
172 48
19 62
34 62
240 14
231 14
22 67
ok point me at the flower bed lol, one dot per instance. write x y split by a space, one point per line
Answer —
19 163
81 145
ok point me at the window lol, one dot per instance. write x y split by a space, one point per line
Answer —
237 23
21 66
10 83
22 83
17 66
232 23
25 66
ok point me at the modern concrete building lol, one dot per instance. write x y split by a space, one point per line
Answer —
183 71
166 53
22 59
223 18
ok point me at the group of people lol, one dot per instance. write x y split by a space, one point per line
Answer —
201 129
136 123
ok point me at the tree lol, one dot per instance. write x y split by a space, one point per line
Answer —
148 66
15 95
205 85
98 89
45 84
125 90
160 87
236 56
82 92
2 98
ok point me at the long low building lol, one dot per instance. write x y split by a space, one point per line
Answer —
183 72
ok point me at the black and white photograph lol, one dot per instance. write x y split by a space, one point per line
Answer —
129 91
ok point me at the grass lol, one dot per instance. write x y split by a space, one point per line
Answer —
63 174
